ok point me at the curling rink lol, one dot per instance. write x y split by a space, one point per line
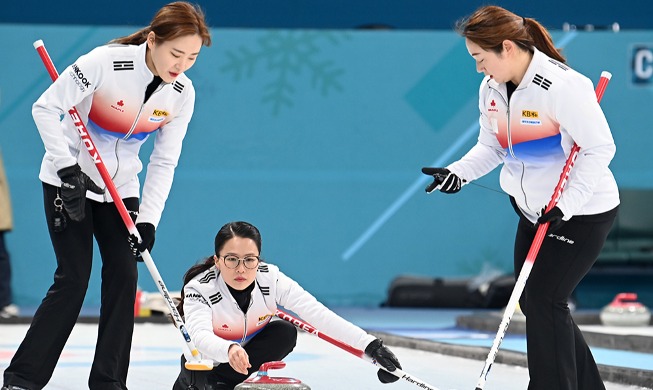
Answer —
322 366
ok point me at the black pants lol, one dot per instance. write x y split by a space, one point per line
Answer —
273 343
5 273
558 356
36 357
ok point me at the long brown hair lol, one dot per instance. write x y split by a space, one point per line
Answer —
172 21
226 232
490 25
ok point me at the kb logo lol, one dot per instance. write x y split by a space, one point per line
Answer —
643 65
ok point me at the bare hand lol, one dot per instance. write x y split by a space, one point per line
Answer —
238 359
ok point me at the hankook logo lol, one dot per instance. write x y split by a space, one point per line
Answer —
81 81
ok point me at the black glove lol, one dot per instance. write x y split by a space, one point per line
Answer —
384 357
74 184
444 180
553 217
146 231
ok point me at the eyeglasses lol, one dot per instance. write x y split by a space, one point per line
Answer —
232 262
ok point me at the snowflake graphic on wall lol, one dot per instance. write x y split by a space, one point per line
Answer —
285 54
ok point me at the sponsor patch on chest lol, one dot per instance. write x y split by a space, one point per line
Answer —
263 319
158 115
530 118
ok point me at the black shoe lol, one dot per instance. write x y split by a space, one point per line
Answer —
10 387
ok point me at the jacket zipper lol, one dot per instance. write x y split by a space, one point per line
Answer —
510 149
242 339
138 116
512 153
129 133
140 111
251 301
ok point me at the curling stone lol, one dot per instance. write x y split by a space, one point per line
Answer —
624 310
264 382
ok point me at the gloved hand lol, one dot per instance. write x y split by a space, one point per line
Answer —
384 357
443 180
553 217
74 184
146 231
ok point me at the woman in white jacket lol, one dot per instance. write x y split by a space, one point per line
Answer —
229 301
533 108
124 91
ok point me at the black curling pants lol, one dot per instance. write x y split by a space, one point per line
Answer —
36 357
273 343
558 356
5 273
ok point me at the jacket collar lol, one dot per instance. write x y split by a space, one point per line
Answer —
535 64
143 70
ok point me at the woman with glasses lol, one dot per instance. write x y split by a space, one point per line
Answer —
229 301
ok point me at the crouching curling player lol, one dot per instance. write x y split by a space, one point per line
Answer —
229 301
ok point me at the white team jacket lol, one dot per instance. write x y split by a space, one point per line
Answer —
107 86
553 107
214 319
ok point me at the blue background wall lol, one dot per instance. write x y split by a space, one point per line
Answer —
332 14
318 137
